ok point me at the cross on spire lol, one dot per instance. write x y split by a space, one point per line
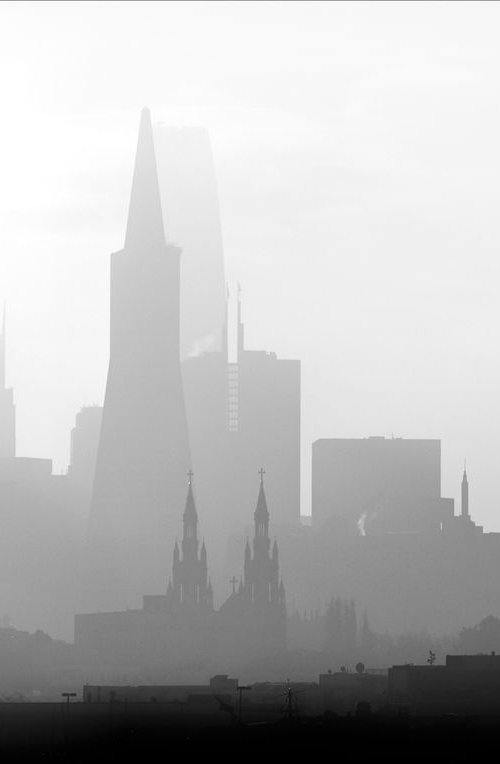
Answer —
233 581
190 475
262 472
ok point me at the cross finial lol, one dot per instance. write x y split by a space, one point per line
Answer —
190 475
233 582
262 472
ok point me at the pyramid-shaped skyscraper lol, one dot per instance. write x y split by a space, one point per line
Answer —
143 453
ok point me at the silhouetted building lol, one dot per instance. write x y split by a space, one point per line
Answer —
341 691
190 204
178 635
171 635
467 684
465 495
252 621
221 685
377 485
38 535
189 589
462 526
241 414
143 450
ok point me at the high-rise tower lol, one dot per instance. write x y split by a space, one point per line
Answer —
190 202
143 452
7 408
465 495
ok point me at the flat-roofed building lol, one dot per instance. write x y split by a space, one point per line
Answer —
377 485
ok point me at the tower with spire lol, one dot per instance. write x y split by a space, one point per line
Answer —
462 525
252 621
465 495
143 452
7 408
189 588
261 582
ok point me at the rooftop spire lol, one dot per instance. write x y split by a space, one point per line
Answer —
465 494
190 513
261 510
145 222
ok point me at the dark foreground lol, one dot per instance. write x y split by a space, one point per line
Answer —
151 732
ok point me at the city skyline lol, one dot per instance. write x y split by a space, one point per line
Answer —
385 188
249 374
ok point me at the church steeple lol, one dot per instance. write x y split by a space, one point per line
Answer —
261 514
190 516
145 231
261 569
191 587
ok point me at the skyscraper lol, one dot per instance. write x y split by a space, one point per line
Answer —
465 495
241 414
190 203
143 453
7 408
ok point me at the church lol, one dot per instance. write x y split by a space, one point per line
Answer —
179 635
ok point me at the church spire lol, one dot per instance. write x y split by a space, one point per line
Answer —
145 231
261 514
190 516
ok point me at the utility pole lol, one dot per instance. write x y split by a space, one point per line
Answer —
241 688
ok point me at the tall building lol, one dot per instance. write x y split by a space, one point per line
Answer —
241 414
7 408
84 442
377 485
143 452
465 495
462 526
190 204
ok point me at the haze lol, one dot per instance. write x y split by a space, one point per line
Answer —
357 158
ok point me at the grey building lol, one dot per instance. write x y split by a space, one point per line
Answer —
190 203
377 485
243 414
143 453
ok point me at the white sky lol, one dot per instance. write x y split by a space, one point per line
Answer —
358 162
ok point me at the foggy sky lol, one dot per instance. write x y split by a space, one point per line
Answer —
358 163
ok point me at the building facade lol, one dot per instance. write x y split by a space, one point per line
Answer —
377 485
143 452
